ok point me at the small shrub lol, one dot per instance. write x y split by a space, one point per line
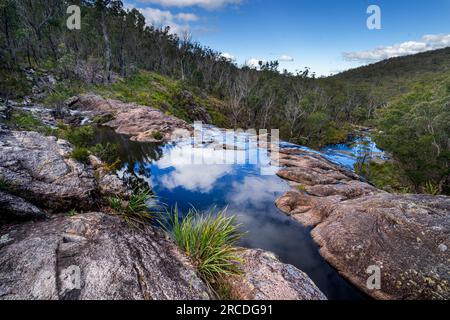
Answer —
210 240
106 152
136 211
102 119
80 154
157 135
387 176
78 136
72 213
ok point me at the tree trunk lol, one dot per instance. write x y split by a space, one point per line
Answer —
107 45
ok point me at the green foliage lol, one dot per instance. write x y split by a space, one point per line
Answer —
431 188
14 84
394 77
386 176
72 213
144 88
150 89
80 154
78 136
102 119
209 239
415 130
62 92
157 135
115 203
83 140
106 152
138 210
24 120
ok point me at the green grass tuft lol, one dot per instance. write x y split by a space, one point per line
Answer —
80 154
209 240
138 210
431 188
72 213
157 135
25 121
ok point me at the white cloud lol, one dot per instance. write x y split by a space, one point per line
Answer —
254 63
178 23
255 192
286 58
228 56
196 178
188 17
207 4
428 42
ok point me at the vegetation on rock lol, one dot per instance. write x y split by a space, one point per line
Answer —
209 239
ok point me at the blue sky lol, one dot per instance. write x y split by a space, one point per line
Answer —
326 35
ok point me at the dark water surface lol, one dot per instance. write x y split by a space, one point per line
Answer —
242 188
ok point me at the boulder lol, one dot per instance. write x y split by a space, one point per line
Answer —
360 229
143 124
320 177
264 277
402 235
39 169
93 256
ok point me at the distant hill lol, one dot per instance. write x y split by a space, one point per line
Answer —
417 64
394 76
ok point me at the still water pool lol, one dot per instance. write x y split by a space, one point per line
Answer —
170 171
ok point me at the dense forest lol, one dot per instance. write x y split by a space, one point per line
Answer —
118 55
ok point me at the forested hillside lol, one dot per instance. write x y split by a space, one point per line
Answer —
395 76
414 122
118 55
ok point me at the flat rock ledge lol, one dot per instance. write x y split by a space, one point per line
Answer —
264 277
93 256
360 229
141 123
37 176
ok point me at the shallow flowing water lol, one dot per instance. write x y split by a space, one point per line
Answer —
248 194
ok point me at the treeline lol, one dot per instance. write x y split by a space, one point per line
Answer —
115 42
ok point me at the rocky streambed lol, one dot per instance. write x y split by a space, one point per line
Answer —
47 254
357 227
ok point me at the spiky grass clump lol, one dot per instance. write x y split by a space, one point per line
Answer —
138 210
72 213
431 188
210 240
